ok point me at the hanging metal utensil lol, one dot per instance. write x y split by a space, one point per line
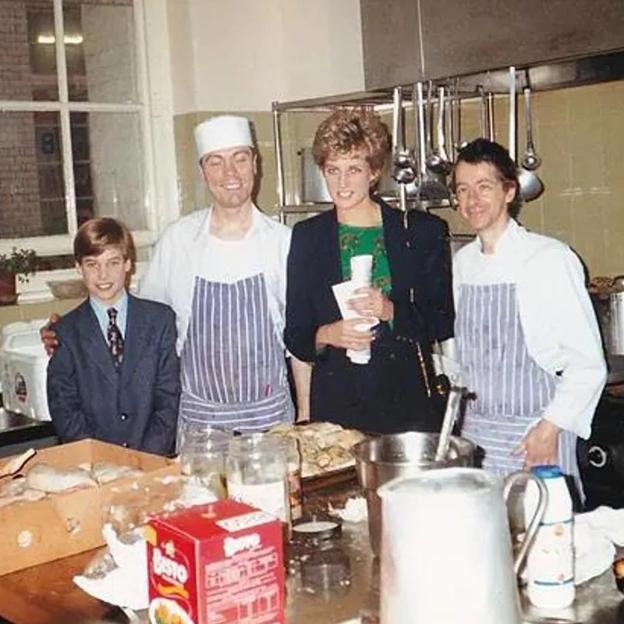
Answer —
460 144
483 112
438 160
490 117
530 161
512 114
531 186
432 188
403 163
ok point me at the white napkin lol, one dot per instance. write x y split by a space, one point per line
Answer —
127 584
355 510
595 535
343 292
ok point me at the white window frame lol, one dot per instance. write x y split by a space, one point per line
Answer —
155 110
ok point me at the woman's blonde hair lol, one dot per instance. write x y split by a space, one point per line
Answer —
351 129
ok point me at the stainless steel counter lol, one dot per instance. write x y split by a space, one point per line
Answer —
597 601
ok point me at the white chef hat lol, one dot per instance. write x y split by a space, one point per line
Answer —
222 132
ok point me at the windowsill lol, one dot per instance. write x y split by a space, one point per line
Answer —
36 290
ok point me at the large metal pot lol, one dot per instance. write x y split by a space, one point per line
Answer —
381 459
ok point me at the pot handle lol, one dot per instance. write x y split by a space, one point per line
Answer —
522 477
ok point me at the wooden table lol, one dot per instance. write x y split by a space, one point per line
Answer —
46 594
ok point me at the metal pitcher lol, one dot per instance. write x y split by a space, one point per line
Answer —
387 457
446 551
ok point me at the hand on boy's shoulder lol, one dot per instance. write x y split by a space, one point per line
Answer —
48 335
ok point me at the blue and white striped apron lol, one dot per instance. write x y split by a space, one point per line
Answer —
511 389
233 367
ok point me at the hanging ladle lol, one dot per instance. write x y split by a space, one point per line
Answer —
530 161
531 187
438 160
403 163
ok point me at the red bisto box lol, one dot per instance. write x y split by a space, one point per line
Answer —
216 564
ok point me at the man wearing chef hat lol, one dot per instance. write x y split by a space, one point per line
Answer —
525 331
223 271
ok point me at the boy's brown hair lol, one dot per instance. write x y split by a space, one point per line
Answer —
97 235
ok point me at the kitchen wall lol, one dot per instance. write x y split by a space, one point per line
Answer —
579 134
241 56
292 49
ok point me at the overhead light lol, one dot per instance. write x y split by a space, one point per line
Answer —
67 39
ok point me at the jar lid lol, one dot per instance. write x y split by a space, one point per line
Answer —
316 528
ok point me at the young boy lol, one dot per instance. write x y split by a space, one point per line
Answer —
115 375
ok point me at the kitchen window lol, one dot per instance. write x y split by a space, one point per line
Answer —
74 121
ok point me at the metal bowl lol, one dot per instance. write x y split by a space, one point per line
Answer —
381 459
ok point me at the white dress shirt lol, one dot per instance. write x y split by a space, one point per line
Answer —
556 315
187 249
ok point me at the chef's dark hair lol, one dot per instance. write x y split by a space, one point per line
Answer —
96 235
483 150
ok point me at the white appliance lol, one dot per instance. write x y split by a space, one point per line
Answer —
23 370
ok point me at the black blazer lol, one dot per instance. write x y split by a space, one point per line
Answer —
420 267
137 405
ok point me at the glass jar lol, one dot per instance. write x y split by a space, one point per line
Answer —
295 491
325 566
202 457
257 473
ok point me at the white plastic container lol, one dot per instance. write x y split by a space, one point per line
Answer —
550 563
23 370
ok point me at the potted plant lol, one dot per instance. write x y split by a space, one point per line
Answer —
19 263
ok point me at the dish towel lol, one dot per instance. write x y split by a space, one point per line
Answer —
596 534
127 584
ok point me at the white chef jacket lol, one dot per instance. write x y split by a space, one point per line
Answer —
186 250
556 316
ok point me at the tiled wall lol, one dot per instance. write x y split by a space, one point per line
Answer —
579 133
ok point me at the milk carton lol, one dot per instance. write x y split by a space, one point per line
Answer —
219 563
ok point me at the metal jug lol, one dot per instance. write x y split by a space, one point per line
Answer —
400 455
446 553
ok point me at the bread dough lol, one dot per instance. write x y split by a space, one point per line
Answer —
46 478
105 472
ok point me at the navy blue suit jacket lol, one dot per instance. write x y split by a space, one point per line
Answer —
135 406
389 394
420 267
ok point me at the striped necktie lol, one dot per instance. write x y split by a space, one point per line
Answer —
115 339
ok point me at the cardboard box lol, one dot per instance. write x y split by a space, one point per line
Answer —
219 563
68 523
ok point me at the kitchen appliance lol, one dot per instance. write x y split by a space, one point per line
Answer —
446 551
381 459
23 370
601 457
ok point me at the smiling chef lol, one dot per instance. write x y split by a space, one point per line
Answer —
223 271
526 334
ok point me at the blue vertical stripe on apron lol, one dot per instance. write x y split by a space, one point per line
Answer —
233 366
512 390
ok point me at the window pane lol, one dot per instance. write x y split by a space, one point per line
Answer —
31 175
108 167
100 50
27 55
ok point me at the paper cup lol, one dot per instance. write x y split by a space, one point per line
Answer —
362 270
